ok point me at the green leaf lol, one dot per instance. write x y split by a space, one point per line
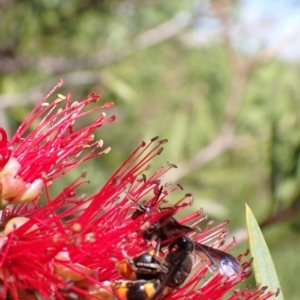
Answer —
263 266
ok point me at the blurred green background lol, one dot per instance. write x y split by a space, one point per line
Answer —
219 79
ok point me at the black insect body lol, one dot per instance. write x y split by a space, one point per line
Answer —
146 266
179 261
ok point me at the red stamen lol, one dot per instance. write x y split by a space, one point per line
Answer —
5 148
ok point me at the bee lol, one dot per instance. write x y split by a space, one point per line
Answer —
173 268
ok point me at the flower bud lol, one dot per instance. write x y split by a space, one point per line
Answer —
15 223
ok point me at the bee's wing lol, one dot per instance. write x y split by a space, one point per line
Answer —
226 263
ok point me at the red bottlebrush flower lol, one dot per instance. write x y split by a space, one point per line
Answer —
46 146
71 247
